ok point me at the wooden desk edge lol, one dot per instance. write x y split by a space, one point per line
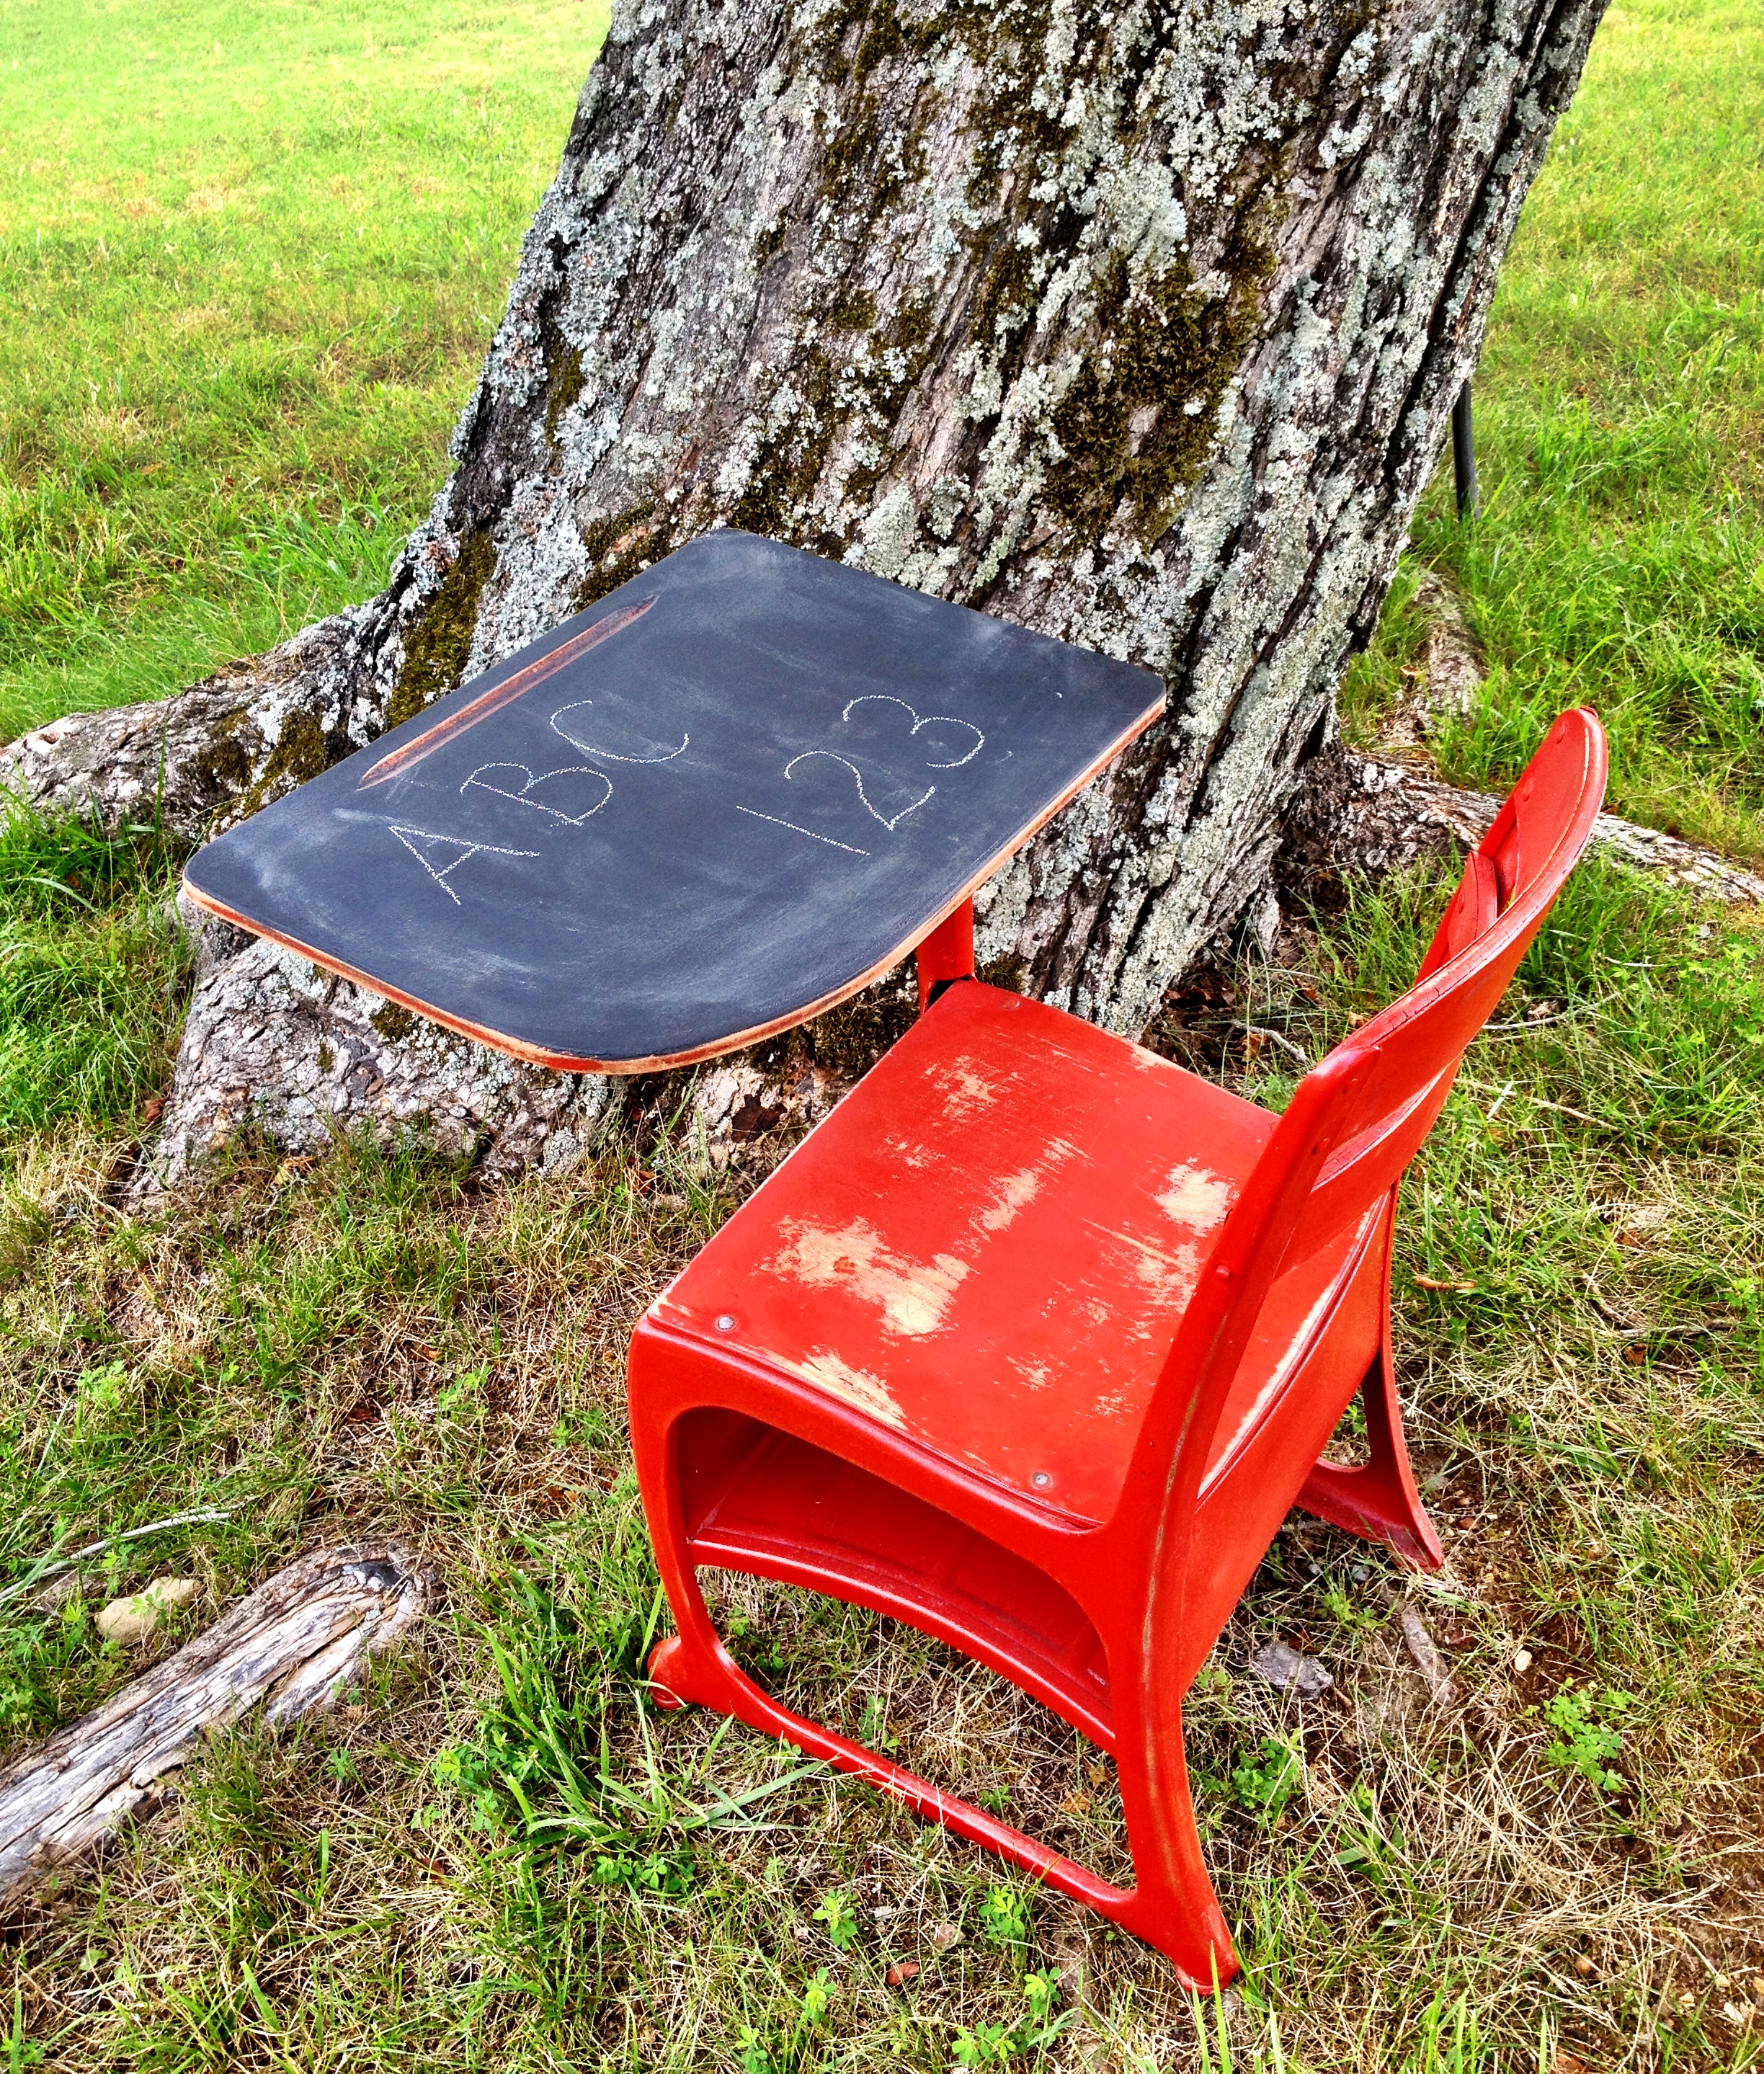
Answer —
563 1063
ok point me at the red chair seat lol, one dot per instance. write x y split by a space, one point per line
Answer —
988 1247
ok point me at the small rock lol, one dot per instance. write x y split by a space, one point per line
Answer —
900 1973
1522 1661
1583 1966
945 1935
132 1620
1286 1668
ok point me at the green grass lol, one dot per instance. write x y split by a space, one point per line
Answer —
1619 559
499 1856
250 258
91 971
502 1856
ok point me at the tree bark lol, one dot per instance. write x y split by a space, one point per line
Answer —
1138 324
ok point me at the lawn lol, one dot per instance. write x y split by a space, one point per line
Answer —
499 1856
249 259
1620 432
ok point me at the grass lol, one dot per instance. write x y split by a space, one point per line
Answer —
91 972
1619 559
499 1856
502 1856
250 258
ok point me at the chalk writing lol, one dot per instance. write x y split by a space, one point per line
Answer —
921 719
411 837
889 821
519 784
594 749
487 703
524 796
799 830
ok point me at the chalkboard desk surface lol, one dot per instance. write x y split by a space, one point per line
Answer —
714 805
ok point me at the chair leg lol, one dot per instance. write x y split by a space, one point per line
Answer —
1177 1912
1175 1907
1377 1500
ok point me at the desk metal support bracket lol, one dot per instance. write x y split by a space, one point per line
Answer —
1464 455
947 954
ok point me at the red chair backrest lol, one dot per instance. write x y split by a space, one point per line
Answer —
1403 1062
1356 1120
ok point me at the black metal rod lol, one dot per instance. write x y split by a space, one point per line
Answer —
1464 455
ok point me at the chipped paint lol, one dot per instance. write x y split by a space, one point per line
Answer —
1169 1276
964 1088
912 1295
910 1153
857 1386
1011 1193
1197 1198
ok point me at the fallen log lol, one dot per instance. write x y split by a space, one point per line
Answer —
293 1645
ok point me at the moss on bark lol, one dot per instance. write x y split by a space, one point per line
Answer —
617 548
439 645
1138 421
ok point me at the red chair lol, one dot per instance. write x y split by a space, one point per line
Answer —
1034 1342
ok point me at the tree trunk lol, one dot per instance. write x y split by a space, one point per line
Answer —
1137 324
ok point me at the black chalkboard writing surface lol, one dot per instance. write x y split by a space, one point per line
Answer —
713 804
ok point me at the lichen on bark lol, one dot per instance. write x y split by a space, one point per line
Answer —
1138 323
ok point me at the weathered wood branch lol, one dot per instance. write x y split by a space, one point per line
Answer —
293 1646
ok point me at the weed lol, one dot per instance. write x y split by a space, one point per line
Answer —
996 2043
836 1912
986 2045
1004 1919
1265 1781
1587 1744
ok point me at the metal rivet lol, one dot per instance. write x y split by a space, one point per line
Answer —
726 1323
1041 1479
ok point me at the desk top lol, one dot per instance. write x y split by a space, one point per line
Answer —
714 805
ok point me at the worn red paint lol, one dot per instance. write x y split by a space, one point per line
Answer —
1058 1424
